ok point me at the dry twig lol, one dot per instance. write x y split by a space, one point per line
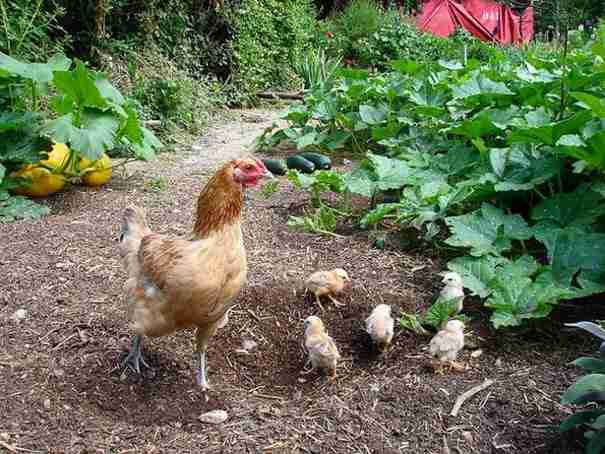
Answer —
468 394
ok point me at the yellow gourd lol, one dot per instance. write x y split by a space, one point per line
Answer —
43 182
96 173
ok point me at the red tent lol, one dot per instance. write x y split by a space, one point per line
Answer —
486 19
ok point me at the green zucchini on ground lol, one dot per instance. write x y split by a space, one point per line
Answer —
275 166
321 161
297 162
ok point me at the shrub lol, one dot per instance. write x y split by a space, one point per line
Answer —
30 31
269 36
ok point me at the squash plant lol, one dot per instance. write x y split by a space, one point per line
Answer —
82 110
588 389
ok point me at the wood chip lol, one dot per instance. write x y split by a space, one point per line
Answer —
468 394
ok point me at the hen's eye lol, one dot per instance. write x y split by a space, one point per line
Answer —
249 167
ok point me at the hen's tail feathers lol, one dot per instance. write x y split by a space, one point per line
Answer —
134 228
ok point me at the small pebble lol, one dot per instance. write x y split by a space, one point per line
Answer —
214 417
498 363
19 315
249 345
47 404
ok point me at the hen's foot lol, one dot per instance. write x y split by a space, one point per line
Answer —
135 357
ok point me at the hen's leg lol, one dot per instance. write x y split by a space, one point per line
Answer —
135 357
203 335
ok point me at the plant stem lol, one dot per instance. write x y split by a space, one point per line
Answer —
6 26
29 25
563 72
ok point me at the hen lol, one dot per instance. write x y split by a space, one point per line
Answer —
380 326
327 283
323 353
178 283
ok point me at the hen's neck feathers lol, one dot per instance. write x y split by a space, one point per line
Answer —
219 204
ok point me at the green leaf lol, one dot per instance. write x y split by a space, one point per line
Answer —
596 445
307 140
584 389
542 133
378 214
476 273
108 91
390 173
360 182
486 231
570 140
372 115
594 365
440 312
95 137
15 208
582 206
480 85
147 148
41 73
597 105
479 126
79 86
580 418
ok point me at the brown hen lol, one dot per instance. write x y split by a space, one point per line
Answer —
178 283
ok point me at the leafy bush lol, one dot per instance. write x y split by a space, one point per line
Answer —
488 157
588 389
30 31
317 68
177 102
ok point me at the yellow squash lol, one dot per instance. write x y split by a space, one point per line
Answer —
96 173
57 157
43 182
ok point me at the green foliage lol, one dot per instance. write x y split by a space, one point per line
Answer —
269 37
587 389
30 30
487 159
316 68
86 113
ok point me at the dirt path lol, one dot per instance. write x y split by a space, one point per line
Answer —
60 393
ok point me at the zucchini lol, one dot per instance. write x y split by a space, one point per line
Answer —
275 166
297 162
321 161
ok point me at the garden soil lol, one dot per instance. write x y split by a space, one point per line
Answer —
64 330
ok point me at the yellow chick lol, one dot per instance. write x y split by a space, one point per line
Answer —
327 283
453 288
380 326
447 343
321 348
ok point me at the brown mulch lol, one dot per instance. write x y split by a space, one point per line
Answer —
60 390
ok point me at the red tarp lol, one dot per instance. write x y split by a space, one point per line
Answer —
487 20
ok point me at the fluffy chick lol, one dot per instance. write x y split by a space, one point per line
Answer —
380 326
454 288
447 343
321 348
327 283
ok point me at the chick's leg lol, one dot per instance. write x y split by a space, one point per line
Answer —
335 301
135 357
318 302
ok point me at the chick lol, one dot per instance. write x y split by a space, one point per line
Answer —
322 350
447 343
454 288
327 283
380 326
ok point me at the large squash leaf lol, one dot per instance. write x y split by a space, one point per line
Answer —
14 208
476 273
590 388
487 231
94 138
